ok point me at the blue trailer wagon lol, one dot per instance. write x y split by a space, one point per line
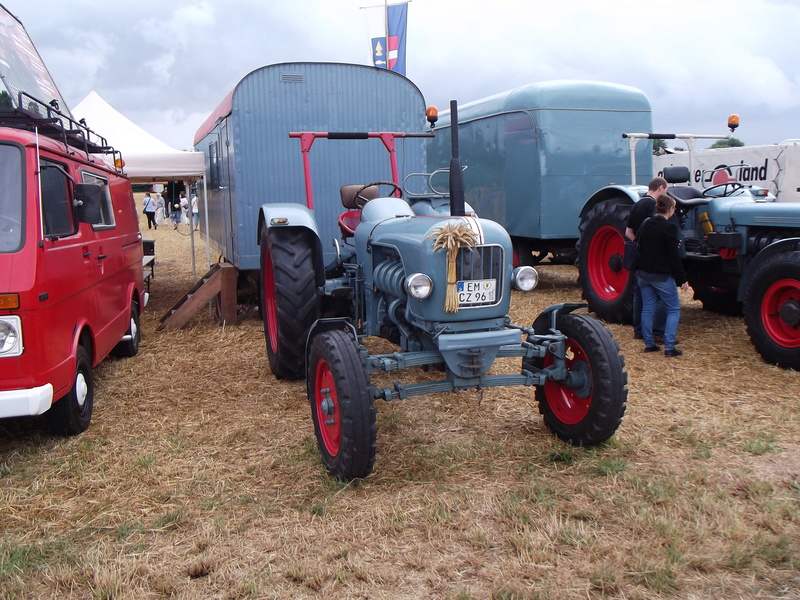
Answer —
251 159
535 155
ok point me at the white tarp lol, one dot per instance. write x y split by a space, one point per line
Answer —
146 157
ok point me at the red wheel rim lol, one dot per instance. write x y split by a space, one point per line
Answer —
326 404
566 405
608 283
270 309
779 293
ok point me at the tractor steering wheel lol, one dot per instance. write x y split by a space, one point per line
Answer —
397 190
734 185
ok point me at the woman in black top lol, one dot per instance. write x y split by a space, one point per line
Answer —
660 272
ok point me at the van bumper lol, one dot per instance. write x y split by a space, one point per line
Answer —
26 403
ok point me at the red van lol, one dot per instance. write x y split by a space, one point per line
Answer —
71 285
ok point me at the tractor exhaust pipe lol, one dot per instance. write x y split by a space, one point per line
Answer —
457 208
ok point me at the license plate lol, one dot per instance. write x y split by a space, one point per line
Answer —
476 291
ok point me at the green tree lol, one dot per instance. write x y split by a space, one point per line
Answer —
729 143
659 145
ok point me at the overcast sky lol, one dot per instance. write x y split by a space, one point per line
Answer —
166 64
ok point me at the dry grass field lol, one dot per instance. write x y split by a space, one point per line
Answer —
200 478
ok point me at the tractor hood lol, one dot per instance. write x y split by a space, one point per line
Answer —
738 211
400 246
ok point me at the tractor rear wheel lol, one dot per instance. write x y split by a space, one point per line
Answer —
772 309
587 408
289 301
607 287
341 405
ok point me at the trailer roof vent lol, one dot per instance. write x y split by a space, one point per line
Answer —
293 77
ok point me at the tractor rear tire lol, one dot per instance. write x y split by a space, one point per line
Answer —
342 406
588 414
607 287
289 301
772 310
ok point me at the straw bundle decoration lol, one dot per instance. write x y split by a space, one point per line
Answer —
452 236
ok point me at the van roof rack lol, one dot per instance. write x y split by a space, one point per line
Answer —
32 113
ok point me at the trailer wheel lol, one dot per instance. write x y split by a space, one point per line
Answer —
289 301
71 414
772 310
341 406
607 287
717 299
587 408
130 347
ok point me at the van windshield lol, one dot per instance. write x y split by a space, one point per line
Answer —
10 199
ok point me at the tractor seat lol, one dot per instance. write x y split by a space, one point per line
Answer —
685 195
349 220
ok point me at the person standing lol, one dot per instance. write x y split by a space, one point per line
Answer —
160 217
660 273
195 212
150 211
643 209
175 213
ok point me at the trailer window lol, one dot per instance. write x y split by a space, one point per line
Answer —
56 210
106 211
213 159
10 198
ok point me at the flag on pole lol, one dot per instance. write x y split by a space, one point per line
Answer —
390 54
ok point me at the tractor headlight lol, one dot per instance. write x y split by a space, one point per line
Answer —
419 286
10 336
524 278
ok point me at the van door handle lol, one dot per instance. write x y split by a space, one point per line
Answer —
100 256
87 254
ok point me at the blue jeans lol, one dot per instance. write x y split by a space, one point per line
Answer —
659 317
667 292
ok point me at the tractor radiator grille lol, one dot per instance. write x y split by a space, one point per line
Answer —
482 262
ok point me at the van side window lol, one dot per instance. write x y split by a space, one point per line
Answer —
106 210
56 210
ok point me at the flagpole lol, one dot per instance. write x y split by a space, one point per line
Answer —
386 31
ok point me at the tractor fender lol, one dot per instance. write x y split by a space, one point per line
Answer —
547 320
323 325
295 216
778 247
620 192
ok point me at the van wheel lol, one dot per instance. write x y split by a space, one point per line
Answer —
71 414
130 347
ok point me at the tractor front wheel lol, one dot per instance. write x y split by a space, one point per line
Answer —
772 310
586 408
607 286
289 301
341 406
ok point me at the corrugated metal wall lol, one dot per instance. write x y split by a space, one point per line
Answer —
267 165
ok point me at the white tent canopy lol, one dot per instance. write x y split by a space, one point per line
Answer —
146 157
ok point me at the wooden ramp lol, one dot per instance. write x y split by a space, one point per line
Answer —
220 281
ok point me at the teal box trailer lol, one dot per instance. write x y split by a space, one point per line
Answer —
251 160
535 155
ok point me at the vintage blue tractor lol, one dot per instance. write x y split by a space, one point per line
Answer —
430 276
740 249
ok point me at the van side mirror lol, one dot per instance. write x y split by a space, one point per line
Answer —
88 202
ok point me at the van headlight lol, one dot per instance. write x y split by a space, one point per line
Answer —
524 279
419 286
10 336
